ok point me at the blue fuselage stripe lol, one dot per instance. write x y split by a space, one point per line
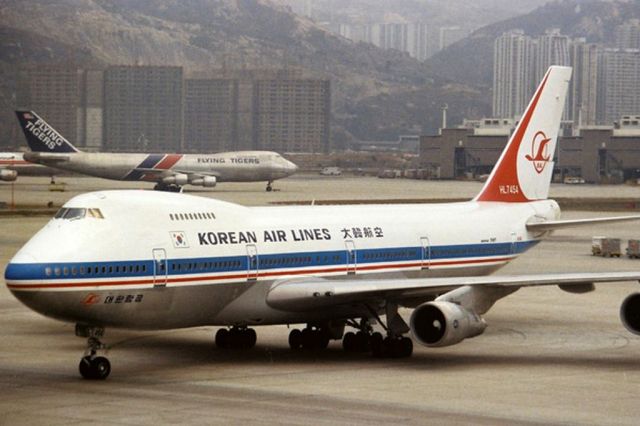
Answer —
240 263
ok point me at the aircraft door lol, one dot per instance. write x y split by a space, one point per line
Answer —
252 262
425 252
351 257
513 249
160 269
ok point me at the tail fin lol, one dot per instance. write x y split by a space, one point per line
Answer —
41 137
525 167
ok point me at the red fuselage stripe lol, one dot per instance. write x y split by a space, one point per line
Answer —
168 161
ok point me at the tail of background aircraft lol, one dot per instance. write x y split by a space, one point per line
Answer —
525 168
41 137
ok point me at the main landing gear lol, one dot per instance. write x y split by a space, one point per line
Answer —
93 367
269 187
236 338
394 345
167 188
310 338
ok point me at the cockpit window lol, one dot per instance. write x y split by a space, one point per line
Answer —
75 213
96 213
78 213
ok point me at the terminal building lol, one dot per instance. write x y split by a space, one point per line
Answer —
598 154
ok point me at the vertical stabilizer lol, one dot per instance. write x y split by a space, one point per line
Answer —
41 137
525 167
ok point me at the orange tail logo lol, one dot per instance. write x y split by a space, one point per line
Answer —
539 155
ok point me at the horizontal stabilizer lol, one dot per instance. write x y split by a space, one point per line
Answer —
45 157
551 225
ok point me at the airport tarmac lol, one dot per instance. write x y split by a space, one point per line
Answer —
546 357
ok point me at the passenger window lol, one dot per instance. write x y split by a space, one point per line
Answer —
47 271
74 271
56 271
82 270
171 216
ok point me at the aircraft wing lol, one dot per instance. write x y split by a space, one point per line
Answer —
551 225
310 293
172 172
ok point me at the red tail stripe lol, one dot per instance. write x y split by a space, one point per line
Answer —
506 173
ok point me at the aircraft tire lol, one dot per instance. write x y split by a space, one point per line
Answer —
101 367
249 338
349 342
376 344
85 367
295 339
222 338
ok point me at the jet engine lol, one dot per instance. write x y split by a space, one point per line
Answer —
8 175
438 324
179 179
206 181
630 313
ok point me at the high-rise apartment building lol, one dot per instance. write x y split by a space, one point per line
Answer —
627 35
552 48
292 115
143 108
619 81
210 114
410 37
91 114
53 91
582 96
418 40
513 65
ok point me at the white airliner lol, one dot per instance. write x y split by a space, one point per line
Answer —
12 164
169 171
149 260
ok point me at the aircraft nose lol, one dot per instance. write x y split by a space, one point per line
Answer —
291 167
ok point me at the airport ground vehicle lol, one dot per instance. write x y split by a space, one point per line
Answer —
605 247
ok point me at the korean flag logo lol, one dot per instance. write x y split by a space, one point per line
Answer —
179 239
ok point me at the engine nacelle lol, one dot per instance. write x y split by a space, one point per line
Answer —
179 179
438 324
206 181
630 313
8 175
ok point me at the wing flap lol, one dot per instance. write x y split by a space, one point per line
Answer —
312 293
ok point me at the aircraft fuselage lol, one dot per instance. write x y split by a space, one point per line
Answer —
190 261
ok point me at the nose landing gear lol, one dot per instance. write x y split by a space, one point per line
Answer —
93 367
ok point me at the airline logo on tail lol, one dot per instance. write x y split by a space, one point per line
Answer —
539 146
525 167
41 137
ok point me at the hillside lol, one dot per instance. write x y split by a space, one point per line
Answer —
471 59
205 34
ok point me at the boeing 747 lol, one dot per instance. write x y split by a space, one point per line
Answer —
169 171
148 260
